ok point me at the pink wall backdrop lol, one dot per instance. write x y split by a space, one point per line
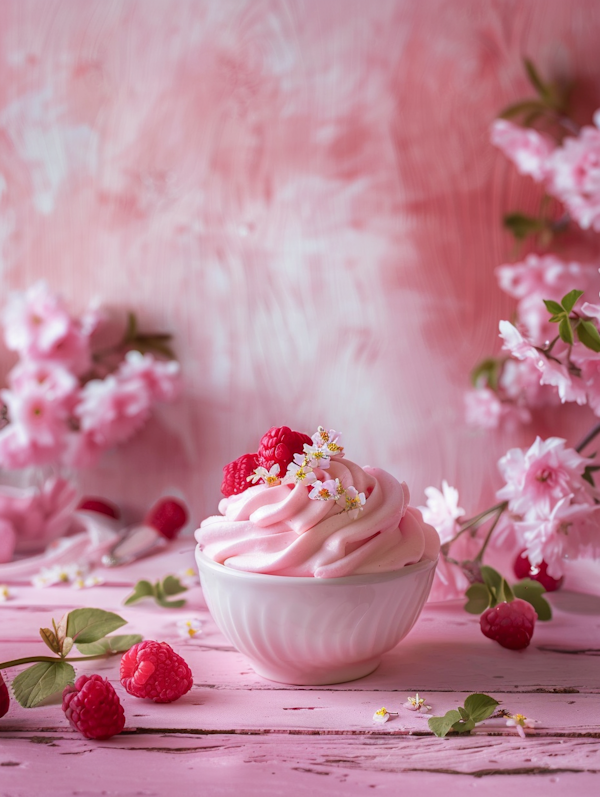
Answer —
302 191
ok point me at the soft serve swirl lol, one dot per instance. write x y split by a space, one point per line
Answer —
280 530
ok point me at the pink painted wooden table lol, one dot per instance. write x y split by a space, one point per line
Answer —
235 733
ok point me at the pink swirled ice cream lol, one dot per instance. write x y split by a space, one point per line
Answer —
326 517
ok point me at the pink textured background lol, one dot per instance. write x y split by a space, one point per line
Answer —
302 192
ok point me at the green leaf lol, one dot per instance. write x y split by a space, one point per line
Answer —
171 585
110 644
464 727
487 371
50 639
532 592
569 300
41 681
521 225
143 589
498 587
565 330
480 706
441 725
478 598
67 646
536 81
463 713
553 307
171 604
89 625
524 106
588 335
554 319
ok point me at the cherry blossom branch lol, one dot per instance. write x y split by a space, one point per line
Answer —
588 438
501 509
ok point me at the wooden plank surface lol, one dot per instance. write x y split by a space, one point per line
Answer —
236 732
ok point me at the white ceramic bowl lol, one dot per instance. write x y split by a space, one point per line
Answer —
311 631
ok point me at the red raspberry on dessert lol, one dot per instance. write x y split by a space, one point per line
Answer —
235 475
153 669
509 624
93 707
279 445
101 506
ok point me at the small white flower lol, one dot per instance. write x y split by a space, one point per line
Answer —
89 581
269 477
299 474
354 502
188 577
520 722
383 715
59 574
330 440
416 703
4 593
189 627
316 457
324 491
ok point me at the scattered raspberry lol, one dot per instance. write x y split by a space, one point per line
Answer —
93 707
279 445
154 670
235 475
4 697
100 505
168 516
524 569
509 624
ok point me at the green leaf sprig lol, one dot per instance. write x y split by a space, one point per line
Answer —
160 592
549 104
477 708
495 589
569 323
87 630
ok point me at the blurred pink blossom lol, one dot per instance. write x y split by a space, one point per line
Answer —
8 540
442 510
526 148
162 379
111 410
573 175
38 327
484 409
538 478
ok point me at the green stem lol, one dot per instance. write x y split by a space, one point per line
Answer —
34 659
470 522
501 509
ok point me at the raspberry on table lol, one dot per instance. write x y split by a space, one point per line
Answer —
279 445
509 624
93 707
235 475
524 569
100 505
4 697
153 669
168 516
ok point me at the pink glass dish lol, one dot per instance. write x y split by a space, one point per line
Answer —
311 631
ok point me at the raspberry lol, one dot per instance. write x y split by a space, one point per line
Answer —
509 624
100 505
168 516
523 569
154 670
279 445
235 475
93 707
4 697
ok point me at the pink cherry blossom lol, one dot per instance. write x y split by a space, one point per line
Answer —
526 148
324 491
538 478
162 378
442 510
57 382
519 380
541 277
517 345
573 175
485 410
38 327
568 530
110 411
